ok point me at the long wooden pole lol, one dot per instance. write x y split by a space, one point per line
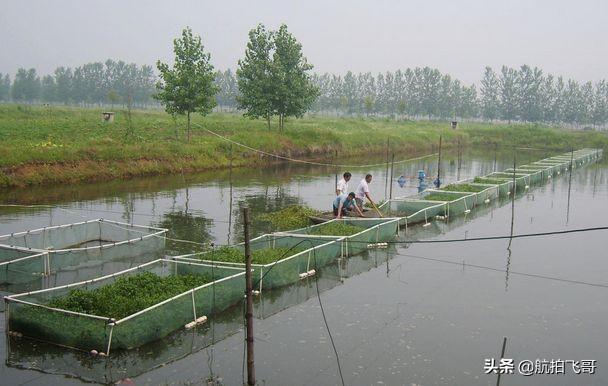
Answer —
569 184
249 301
390 196
388 144
439 162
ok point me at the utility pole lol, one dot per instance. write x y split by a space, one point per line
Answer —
249 302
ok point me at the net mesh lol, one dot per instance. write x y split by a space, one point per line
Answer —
72 250
287 270
28 315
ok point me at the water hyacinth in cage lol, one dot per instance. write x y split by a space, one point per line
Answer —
279 259
370 231
46 315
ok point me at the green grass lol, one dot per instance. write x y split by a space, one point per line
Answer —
127 295
259 256
292 217
70 145
337 229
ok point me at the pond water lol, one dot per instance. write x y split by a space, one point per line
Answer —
421 314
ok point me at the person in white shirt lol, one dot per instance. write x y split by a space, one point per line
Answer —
342 186
362 192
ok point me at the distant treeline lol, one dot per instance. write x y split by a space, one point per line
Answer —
524 94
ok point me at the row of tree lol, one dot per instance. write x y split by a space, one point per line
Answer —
273 79
525 94
91 84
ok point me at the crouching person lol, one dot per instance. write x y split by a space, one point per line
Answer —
343 203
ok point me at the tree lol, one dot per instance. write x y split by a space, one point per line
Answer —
294 90
48 90
5 87
26 87
254 75
489 94
187 87
63 83
273 77
368 104
507 93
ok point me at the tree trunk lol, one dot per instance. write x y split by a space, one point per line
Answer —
188 126
268 120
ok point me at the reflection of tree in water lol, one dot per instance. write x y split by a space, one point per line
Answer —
186 226
259 204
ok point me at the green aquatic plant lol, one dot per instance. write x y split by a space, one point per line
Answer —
292 217
369 204
258 256
490 181
438 196
337 229
463 188
128 295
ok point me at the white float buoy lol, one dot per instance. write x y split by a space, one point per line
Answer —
306 274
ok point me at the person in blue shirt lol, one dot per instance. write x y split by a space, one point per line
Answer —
343 203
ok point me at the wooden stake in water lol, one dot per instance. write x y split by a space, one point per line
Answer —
249 301
336 175
513 201
459 160
495 155
391 179
388 144
439 162
569 185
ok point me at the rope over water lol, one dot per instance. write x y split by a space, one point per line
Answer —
309 162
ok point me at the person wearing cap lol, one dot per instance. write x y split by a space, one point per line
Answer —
343 203
342 186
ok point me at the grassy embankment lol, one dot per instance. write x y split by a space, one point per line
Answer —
69 145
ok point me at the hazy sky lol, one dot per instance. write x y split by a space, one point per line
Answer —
460 37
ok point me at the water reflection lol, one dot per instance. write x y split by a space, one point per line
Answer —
187 226
207 208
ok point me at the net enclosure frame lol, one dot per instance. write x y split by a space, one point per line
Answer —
290 269
376 230
522 180
21 265
416 210
535 177
485 193
62 244
463 202
29 313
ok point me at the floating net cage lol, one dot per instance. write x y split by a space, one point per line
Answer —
65 247
534 177
51 359
522 180
460 202
30 315
411 211
290 269
376 230
21 265
419 208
